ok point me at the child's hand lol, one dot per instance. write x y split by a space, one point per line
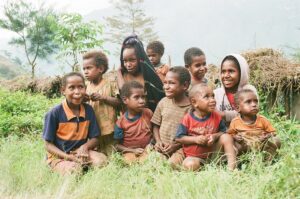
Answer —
138 151
170 149
97 97
201 140
264 137
159 146
86 98
82 153
73 158
238 138
211 140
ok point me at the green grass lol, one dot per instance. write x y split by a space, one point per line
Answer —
24 173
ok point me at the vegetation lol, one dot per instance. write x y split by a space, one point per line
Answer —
34 27
76 37
24 173
131 18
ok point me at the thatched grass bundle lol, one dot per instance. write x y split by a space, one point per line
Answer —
270 70
48 86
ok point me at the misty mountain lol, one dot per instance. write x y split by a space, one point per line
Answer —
8 69
219 27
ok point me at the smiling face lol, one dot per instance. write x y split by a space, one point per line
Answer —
153 56
91 71
172 86
198 67
136 101
248 104
230 75
74 90
130 60
204 100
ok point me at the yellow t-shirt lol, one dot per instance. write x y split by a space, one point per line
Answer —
106 115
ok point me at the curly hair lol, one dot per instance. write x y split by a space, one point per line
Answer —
190 53
237 96
183 74
157 47
64 79
128 86
99 57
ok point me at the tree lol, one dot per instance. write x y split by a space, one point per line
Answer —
34 27
131 18
76 37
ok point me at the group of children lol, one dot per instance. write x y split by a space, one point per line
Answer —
173 111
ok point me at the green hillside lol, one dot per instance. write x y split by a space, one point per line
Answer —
8 69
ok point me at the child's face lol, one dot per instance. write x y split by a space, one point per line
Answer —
74 90
198 67
230 74
130 60
91 71
137 100
172 86
248 104
153 57
204 101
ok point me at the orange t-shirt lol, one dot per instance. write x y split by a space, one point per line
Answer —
260 127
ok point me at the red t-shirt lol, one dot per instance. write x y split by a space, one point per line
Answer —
230 97
194 126
135 132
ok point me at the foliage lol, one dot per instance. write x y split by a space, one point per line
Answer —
34 27
131 18
22 113
76 37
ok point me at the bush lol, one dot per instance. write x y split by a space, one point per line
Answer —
22 113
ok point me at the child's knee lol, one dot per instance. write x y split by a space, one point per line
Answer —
129 158
67 167
98 159
225 139
191 164
176 159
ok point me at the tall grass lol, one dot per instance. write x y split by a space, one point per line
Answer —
24 174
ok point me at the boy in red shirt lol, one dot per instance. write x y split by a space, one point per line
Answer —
133 130
202 131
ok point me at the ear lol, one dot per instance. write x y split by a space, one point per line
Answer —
124 99
62 90
101 69
193 102
186 65
186 85
237 108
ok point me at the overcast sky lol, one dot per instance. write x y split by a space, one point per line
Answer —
78 6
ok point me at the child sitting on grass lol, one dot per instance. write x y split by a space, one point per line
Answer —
71 131
202 131
102 96
133 130
155 51
169 113
251 130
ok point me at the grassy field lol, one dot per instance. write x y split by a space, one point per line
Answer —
24 173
